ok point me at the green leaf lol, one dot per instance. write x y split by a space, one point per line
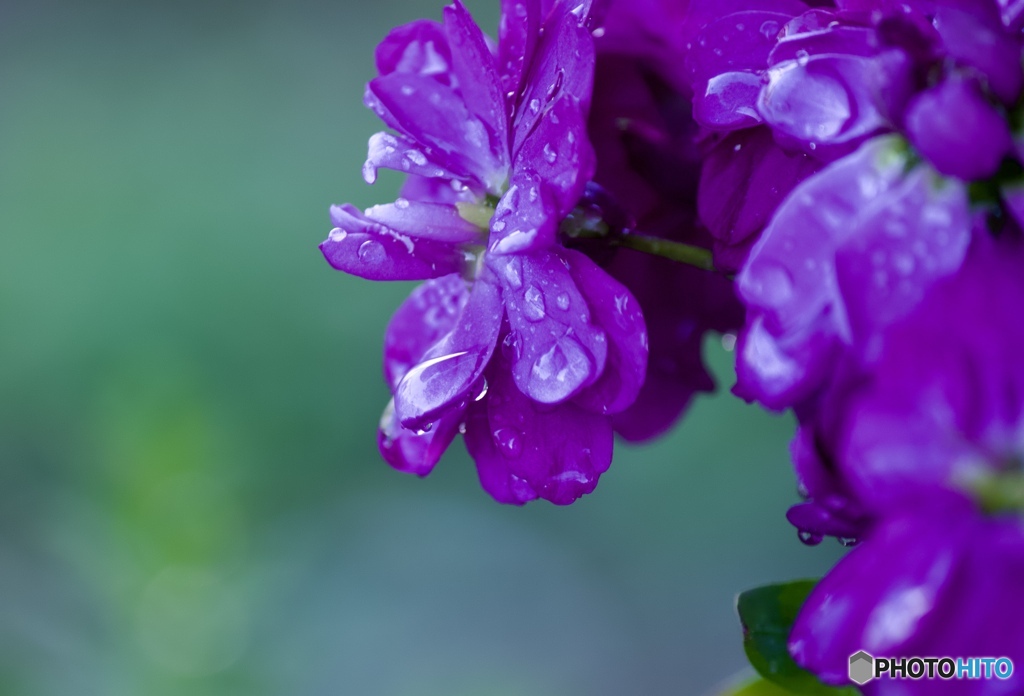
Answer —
767 614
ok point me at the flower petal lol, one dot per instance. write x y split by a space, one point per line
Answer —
364 247
404 155
555 349
447 373
436 116
419 48
426 316
615 310
434 221
478 78
525 448
548 179
415 452
563 64
518 32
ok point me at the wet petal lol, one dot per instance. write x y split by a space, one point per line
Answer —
479 84
435 115
615 310
419 48
448 372
562 65
794 311
404 155
415 452
555 452
828 103
434 221
369 249
899 251
517 36
556 351
548 179
426 316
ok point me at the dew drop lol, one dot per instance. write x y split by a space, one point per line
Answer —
510 347
534 106
802 57
770 29
372 251
549 154
562 300
513 271
416 157
483 392
509 441
809 538
533 305
462 428
846 541
401 203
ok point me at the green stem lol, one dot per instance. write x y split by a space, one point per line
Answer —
676 251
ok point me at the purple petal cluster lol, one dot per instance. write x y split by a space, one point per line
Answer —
875 226
929 446
523 345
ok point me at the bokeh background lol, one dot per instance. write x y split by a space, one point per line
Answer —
191 501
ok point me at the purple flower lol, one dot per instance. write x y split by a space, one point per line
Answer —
928 441
851 250
933 580
496 146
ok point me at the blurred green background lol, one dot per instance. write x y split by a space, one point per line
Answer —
191 501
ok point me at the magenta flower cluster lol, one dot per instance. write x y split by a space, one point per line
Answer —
853 171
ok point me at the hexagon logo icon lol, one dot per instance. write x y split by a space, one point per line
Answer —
862 668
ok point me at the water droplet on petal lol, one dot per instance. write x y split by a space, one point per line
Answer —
770 29
549 153
401 203
809 538
557 372
483 391
534 106
509 441
771 283
510 347
533 305
846 541
462 428
562 300
513 271
371 251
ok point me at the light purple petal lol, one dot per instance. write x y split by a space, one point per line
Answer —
369 249
415 452
615 310
518 32
451 369
562 65
899 250
426 316
795 312
524 448
434 221
828 103
404 155
548 178
728 101
479 83
419 48
556 350
434 115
